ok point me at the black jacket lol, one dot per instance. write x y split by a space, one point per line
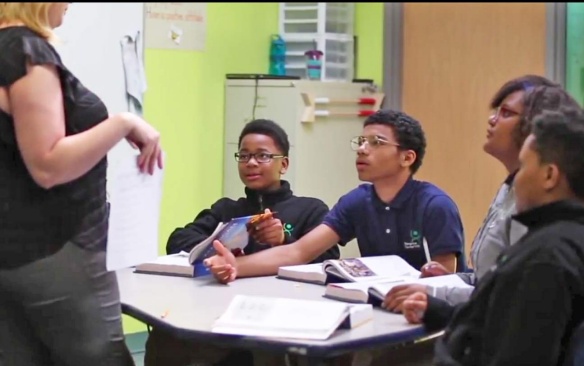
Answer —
524 311
299 215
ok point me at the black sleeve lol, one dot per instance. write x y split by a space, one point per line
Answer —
185 238
316 214
530 331
438 314
18 51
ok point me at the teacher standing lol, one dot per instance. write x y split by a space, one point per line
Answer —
58 303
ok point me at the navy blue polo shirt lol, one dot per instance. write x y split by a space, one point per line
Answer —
420 209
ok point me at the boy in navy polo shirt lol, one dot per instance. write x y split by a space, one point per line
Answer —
392 215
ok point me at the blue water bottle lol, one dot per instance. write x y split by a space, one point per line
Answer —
277 56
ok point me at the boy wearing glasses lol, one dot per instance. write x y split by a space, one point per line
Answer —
395 214
262 160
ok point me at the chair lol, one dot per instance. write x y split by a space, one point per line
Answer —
575 351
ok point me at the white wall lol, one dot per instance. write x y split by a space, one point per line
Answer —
90 47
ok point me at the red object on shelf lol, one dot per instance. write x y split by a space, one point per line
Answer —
366 113
369 101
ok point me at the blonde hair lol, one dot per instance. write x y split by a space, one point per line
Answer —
34 15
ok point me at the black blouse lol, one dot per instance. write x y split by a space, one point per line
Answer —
37 222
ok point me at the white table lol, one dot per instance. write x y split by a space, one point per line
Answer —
188 307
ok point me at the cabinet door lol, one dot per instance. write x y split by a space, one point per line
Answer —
280 104
326 164
245 103
232 185
239 101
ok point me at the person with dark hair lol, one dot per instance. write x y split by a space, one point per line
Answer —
527 306
262 160
394 215
508 126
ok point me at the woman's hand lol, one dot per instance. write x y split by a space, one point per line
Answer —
147 139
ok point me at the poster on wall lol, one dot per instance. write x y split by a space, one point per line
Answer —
178 26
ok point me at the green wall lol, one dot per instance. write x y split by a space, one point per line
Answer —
185 100
575 51
369 32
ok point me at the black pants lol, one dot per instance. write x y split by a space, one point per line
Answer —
63 310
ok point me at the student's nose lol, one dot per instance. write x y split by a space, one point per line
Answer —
493 119
252 161
363 149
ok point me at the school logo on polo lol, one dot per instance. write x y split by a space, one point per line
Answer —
288 229
415 239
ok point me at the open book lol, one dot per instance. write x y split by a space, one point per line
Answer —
234 235
289 318
374 292
363 269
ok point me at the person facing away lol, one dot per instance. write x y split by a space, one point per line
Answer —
392 215
525 309
514 106
58 303
262 160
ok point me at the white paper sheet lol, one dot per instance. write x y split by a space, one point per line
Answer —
134 214
134 72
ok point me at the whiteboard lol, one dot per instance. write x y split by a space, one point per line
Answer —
89 44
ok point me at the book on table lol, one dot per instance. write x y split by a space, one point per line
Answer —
363 269
374 292
233 234
168 265
289 318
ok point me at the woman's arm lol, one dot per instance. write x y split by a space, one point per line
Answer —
36 104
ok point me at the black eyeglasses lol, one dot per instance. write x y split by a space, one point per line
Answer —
261 157
373 141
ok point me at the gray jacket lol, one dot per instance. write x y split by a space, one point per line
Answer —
497 232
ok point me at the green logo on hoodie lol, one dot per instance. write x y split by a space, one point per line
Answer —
288 229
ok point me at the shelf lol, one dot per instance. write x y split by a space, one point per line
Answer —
326 26
310 18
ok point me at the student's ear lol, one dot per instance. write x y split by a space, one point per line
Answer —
552 177
284 167
408 157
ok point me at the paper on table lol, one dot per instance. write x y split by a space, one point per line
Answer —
134 214
173 259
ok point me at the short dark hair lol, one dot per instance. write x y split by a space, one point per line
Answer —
559 139
539 99
268 128
407 131
524 83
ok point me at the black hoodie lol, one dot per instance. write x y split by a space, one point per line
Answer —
524 311
299 215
